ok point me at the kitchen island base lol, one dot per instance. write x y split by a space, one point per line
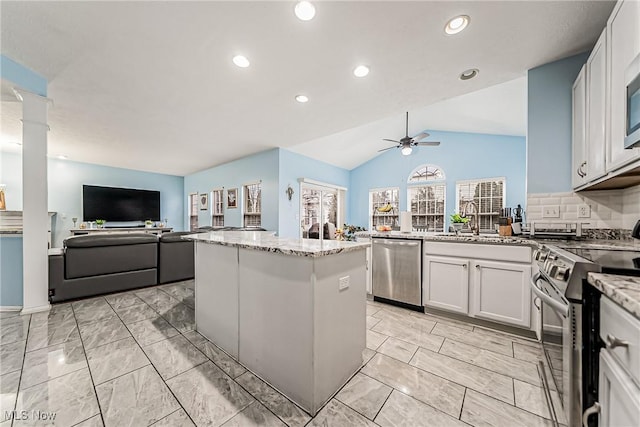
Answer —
297 322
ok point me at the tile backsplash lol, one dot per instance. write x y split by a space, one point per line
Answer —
611 209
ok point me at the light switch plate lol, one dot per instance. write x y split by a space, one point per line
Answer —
584 211
551 211
343 283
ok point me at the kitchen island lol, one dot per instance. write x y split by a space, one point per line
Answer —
290 310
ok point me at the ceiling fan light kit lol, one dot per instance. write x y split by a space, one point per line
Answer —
407 143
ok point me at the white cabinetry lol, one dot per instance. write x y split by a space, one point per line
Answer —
623 34
619 382
596 109
579 154
501 292
488 282
448 283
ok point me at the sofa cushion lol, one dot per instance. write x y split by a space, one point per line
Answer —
96 260
115 239
176 236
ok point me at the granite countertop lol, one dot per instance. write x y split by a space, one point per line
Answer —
623 290
10 231
268 242
493 239
606 244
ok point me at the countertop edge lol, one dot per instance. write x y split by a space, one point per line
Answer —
623 290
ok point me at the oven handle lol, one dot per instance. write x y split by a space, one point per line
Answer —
559 307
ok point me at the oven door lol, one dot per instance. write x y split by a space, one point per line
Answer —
555 369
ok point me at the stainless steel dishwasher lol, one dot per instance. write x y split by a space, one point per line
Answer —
397 271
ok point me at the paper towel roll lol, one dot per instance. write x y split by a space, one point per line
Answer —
405 222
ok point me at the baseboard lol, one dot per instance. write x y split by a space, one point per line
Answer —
38 309
10 307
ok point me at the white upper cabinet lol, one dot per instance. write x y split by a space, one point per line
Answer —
623 41
596 137
579 155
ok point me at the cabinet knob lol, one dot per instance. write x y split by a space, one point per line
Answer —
464 265
613 342
477 265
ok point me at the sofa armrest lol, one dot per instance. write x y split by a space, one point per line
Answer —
56 272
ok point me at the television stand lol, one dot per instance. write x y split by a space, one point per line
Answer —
107 230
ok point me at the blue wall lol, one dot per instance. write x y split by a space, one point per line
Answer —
11 270
22 76
65 189
549 124
462 156
262 166
292 167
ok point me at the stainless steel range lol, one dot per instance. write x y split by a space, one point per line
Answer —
559 285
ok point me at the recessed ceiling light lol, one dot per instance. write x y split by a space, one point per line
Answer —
62 157
361 71
241 61
469 74
305 10
302 98
457 24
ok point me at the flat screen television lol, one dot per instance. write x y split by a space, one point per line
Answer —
119 204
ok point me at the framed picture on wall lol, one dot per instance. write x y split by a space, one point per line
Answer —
232 198
204 201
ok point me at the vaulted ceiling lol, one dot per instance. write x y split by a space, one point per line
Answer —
151 85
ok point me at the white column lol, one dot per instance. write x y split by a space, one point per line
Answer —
34 202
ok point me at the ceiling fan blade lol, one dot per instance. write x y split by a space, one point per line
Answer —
391 140
421 135
428 143
388 148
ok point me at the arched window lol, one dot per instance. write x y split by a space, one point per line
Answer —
427 196
426 173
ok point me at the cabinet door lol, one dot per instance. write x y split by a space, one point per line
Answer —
446 283
618 396
501 292
623 45
579 163
596 111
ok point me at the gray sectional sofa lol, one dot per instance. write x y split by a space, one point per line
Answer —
92 265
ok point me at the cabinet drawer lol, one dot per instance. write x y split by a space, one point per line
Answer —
479 251
615 322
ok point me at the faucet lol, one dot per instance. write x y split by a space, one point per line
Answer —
475 225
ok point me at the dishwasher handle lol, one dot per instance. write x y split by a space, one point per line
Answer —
396 243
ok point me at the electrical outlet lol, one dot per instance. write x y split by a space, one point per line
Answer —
343 283
551 211
584 211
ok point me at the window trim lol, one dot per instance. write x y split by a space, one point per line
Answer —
440 183
189 210
426 165
222 204
481 180
323 186
243 207
370 203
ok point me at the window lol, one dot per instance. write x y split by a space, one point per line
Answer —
488 196
383 207
321 209
217 207
252 204
427 204
426 173
427 201
193 211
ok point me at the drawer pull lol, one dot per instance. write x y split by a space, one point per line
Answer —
613 342
594 409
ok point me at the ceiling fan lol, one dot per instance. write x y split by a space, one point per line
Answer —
407 143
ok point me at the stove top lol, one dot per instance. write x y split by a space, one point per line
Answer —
625 262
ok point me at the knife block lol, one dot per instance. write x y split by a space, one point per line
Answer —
504 228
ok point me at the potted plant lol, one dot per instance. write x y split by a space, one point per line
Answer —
148 223
457 222
100 223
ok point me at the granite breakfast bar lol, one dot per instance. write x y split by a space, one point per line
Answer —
290 310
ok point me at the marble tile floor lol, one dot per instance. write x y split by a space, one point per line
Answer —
135 359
